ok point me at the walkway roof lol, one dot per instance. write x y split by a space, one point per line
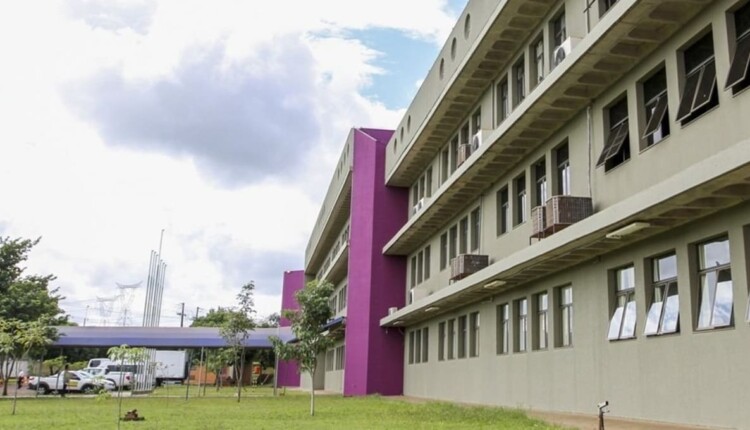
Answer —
162 337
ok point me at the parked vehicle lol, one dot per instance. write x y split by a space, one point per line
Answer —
115 373
78 381
168 366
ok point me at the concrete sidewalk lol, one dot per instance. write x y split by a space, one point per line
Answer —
591 422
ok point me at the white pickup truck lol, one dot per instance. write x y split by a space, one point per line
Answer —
113 373
78 381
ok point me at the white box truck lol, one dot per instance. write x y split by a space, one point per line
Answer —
168 365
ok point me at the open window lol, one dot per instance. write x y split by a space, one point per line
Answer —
699 92
738 77
656 109
664 312
622 323
617 149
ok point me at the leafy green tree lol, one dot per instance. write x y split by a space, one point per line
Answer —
216 361
307 323
125 354
16 340
237 328
23 298
214 318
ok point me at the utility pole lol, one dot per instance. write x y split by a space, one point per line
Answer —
197 309
86 316
181 313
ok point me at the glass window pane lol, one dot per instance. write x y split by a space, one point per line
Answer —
614 324
666 268
740 63
722 315
626 278
628 322
715 253
671 314
567 295
707 293
688 94
706 87
652 320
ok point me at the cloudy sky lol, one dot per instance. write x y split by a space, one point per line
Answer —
217 121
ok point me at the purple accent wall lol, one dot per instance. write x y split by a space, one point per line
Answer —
288 372
374 355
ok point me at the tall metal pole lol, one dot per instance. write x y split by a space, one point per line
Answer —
182 314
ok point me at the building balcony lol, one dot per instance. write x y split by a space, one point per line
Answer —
717 183
629 32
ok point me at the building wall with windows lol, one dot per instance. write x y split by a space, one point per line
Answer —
637 132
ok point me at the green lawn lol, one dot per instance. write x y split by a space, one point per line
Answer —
258 410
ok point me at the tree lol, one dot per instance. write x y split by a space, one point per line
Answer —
307 323
123 354
236 329
23 298
214 318
17 338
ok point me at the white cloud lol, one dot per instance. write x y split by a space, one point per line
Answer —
123 118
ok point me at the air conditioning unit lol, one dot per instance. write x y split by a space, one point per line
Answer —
477 140
464 152
466 264
562 51
420 204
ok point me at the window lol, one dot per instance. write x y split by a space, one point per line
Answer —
441 341
454 153
452 245
475 230
331 355
605 5
521 200
538 52
462 328
503 105
617 149
503 211
443 251
519 78
427 263
540 177
420 266
422 188
463 235
418 346
622 324
563 170
476 122
414 271
657 112
738 77
444 165
715 288
342 299
522 328
451 339
503 329
699 92
425 344
566 315
559 35
663 315
542 324
340 358
474 334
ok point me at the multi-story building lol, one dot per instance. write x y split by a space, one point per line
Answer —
578 221
359 215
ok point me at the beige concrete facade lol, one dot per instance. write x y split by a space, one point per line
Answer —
690 187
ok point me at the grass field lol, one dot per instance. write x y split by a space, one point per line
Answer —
258 410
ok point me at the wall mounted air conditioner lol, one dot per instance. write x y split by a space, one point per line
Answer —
477 140
562 51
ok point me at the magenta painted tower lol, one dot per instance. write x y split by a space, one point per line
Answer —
288 372
374 356
374 359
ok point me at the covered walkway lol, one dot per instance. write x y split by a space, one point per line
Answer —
162 337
